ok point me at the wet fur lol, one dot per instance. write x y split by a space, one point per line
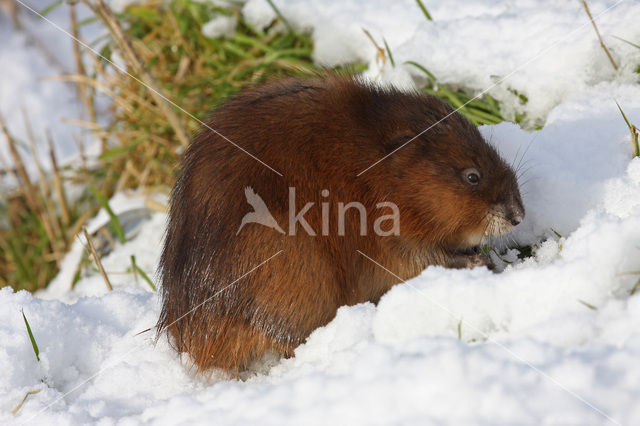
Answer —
319 133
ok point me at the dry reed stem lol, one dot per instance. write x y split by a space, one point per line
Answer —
17 159
50 210
595 27
75 228
124 99
42 181
33 392
133 59
145 174
124 177
89 125
81 150
156 206
86 93
183 67
50 257
97 85
134 172
11 10
103 231
142 48
156 138
381 56
57 184
97 261
45 190
6 170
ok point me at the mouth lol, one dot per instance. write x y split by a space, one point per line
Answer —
496 225
468 251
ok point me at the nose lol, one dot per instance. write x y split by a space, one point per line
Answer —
515 212
515 220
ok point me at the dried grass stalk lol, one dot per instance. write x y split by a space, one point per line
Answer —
133 60
57 184
96 259
595 27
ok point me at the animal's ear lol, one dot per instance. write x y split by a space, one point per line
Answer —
398 140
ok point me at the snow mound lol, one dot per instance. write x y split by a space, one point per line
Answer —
544 50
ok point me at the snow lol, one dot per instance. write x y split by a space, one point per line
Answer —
544 49
220 26
28 84
553 339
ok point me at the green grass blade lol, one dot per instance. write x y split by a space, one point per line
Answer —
87 21
423 69
588 305
634 132
626 120
282 18
52 6
120 150
142 273
424 10
628 42
386 46
484 116
33 339
115 222
134 269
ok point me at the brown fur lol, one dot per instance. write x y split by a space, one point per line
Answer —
319 133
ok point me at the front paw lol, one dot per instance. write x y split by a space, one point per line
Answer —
479 260
467 261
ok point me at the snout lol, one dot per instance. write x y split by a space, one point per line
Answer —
514 212
504 216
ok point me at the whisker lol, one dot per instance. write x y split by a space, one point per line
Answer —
527 149
529 180
522 172
515 157
525 163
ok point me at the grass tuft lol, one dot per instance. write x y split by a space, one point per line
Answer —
162 45
479 110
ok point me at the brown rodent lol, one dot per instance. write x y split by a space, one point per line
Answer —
224 306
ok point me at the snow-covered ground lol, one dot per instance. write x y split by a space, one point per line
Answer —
543 49
551 340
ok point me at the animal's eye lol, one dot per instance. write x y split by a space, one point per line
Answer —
471 176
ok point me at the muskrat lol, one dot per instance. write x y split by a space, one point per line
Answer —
235 290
